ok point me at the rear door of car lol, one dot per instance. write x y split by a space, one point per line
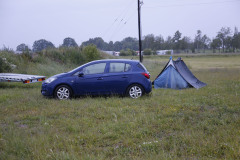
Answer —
117 77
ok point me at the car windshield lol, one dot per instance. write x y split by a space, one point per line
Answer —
76 69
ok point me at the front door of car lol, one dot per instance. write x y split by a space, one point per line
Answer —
91 80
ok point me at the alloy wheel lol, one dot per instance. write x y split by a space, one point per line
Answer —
63 93
135 92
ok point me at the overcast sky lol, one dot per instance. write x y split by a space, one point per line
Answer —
24 21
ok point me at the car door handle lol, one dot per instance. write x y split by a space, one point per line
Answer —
124 77
100 78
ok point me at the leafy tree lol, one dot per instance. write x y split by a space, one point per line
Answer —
205 41
176 41
236 40
223 35
26 55
69 42
148 41
98 42
159 43
185 44
118 46
228 43
41 45
168 44
177 36
110 46
129 43
201 42
216 44
198 40
22 48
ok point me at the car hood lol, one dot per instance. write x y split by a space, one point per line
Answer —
60 75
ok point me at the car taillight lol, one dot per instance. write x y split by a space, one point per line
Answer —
146 75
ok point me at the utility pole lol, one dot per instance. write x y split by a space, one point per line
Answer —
139 31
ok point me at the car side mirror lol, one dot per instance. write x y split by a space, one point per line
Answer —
80 74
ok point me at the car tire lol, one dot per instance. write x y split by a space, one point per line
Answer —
63 92
135 91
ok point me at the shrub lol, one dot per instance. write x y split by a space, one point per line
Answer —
55 55
73 55
147 52
4 66
91 52
127 52
26 56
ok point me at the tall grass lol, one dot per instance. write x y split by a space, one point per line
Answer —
167 124
52 61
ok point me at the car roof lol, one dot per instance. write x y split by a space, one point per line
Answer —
117 60
107 60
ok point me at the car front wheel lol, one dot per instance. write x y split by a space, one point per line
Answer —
135 91
63 92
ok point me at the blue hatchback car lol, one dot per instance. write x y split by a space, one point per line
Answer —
101 77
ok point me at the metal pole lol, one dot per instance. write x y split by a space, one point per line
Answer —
139 31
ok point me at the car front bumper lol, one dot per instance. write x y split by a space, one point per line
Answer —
46 90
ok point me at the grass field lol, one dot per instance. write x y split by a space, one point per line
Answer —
167 124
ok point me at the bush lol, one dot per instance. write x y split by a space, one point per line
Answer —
26 56
55 55
75 55
4 66
91 52
66 56
127 52
147 52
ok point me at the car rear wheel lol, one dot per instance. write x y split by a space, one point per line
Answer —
135 91
63 92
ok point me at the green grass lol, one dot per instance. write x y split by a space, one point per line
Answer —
167 124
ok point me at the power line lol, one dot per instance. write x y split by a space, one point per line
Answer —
121 26
191 4
119 18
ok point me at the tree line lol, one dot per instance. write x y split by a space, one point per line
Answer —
226 40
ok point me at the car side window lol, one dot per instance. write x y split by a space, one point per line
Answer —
97 68
116 67
119 67
127 67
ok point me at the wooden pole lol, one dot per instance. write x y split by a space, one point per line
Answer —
139 31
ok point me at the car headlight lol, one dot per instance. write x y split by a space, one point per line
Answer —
49 80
